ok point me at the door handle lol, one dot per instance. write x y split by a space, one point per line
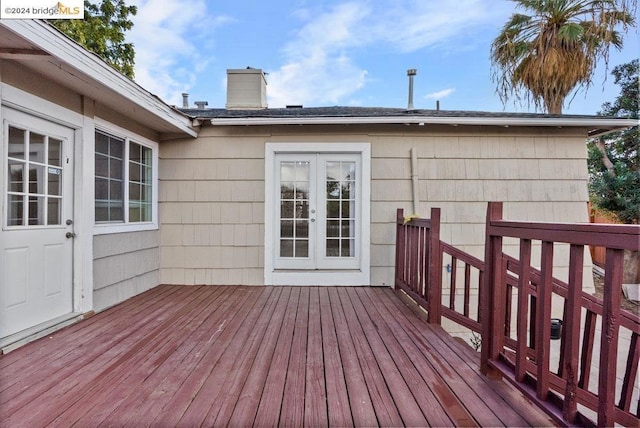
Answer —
70 235
312 220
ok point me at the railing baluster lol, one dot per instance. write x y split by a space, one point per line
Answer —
630 374
609 338
571 333
587 349
467 287
543 320
524 275
452 283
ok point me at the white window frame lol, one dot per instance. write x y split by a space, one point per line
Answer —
128 137
359 276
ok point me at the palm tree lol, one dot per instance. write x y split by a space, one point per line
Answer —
554 49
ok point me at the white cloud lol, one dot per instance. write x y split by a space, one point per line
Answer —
440 94
319 66
318 69
167 61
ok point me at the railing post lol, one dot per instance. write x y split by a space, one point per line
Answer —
434 292
609 340
400 244
490 301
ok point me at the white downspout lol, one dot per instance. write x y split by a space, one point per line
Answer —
415 181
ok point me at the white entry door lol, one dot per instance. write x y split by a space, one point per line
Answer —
318 222
37 225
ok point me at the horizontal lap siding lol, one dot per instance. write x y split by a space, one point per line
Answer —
124 264
212 190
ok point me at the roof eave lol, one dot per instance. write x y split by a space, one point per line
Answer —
603 125
47 39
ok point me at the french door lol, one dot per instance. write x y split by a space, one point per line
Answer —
318 221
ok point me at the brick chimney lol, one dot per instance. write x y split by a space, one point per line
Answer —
246 89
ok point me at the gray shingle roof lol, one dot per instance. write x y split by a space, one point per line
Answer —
345 112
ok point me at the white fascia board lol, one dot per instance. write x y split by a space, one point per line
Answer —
64 49
454 120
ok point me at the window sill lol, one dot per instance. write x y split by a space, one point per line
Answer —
110 228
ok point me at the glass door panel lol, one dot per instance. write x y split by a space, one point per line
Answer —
34 179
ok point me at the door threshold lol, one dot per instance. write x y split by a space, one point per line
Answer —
16 340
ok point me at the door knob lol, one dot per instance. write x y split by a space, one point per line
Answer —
70 235
312 220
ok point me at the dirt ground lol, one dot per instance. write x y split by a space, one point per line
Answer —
627 304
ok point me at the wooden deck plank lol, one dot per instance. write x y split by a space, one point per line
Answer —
360 401
230 370
54 380
167 372
473 389
271 400
240 321
263 356
123 378
441 410
315 397
339 413
386 411
292 410
390 367
248 400
66 341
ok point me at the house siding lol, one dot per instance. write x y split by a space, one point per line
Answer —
212 190
124 264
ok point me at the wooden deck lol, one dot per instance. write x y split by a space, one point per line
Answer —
263 356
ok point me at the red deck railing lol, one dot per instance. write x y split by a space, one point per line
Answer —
517 302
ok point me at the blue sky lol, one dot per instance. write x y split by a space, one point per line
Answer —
334 52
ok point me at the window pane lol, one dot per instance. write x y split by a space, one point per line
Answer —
102 143
286 248
333 209
302 248
302 190
36 147
286 209
17 143
102 189
333 228
115 191
55 152
135 172
102 165
116 148
115 169
135 152
36 210
302 229
116 211
54 175
333 247
36 179
53 211
16 210
16 176
348 248
134 192
333 189
302 171
145 212
286 229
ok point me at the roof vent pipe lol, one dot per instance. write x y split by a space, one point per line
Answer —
185 100
411 72
201 104
438 105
